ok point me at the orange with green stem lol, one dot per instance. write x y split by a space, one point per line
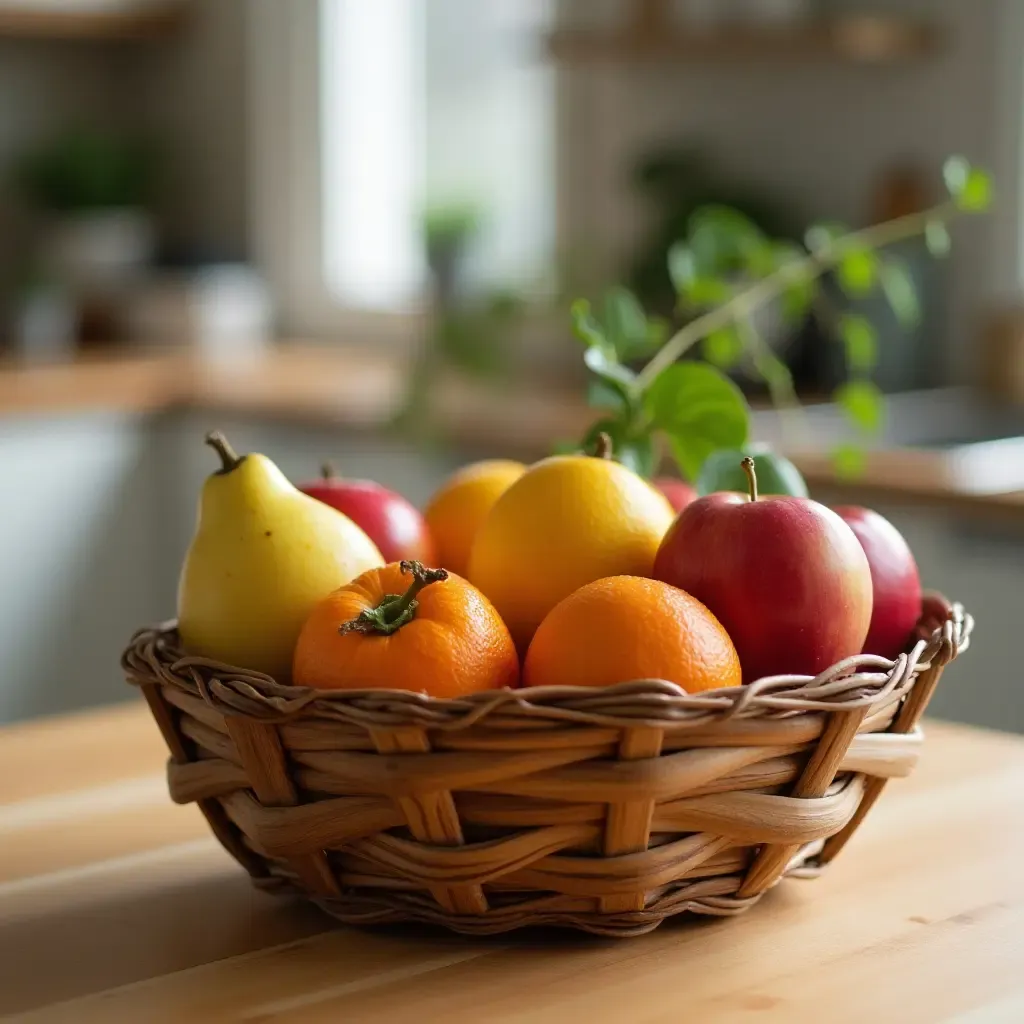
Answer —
434 633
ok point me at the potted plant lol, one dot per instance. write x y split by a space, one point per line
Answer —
94 191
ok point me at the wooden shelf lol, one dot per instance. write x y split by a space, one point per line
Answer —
151 21
858 39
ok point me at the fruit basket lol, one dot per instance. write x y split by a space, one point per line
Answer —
607 810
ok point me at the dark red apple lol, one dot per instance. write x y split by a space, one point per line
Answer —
391 522
679 494
894 579
785 576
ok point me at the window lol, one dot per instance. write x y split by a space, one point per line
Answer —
369 116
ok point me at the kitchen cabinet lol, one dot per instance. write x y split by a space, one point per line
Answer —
79 503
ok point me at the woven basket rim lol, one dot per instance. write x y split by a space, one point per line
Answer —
865 680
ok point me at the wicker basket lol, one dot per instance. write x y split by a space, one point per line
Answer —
606 810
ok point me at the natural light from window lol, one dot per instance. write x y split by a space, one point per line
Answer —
427 105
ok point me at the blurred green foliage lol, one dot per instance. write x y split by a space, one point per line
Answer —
723 269
85 169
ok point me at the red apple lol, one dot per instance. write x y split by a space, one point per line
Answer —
894 579
679 494
391 522
785 576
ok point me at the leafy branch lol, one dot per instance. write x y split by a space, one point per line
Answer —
726 273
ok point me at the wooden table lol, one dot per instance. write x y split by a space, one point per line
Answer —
117 906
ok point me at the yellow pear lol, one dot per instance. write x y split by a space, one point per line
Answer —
262 556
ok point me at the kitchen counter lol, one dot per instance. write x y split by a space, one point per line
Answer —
116 905
362 389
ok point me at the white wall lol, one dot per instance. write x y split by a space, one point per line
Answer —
819 133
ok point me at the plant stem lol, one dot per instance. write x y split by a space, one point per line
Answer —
751 470
395 610
229 458
806 269
602 446
777 376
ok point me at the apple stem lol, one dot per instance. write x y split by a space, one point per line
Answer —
750 469
327 471
602 446
395 610
229 458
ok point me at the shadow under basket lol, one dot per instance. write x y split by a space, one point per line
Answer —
607 810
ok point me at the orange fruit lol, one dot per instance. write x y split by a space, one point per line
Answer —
456 511
567 521
625 628
405 627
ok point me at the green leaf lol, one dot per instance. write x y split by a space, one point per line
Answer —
775 475
936 237
601 395
848 460
857 272
700 409
682 267
822 236
722 238
625 322
799 294
658 330
723 348
609 370
955 172
861 342
863 403
796 301
899 289
637 453
976 195
707 291
760 260
585 327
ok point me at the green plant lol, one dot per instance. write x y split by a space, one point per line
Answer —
674 183
86 170
724 272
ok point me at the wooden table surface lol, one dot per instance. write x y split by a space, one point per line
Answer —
116 905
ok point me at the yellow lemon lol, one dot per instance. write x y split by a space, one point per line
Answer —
459 508
569 520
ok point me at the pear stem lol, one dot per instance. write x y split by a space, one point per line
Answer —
751 471
327 471
395 610
602 446
229 458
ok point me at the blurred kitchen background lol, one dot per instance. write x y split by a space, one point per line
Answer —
350 229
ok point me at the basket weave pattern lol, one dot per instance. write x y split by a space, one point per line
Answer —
606 810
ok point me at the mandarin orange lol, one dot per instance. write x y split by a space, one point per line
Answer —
436 635
458 509
625 628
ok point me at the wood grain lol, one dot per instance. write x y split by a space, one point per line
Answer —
867 40
151 21
922 920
